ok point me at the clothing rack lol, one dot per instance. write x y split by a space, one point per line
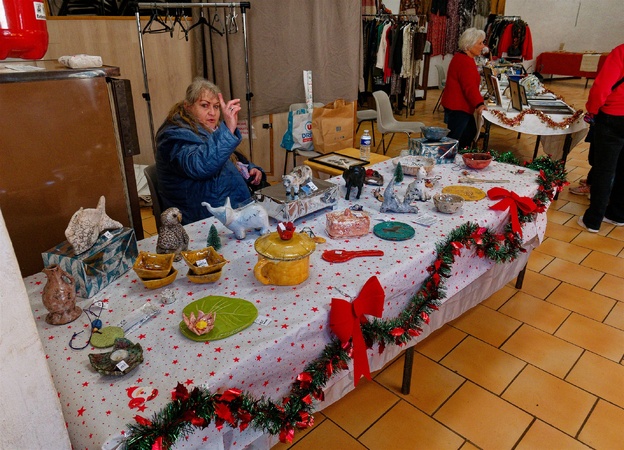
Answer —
146 95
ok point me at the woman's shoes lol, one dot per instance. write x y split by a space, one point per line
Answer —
613 222
585 227
581 189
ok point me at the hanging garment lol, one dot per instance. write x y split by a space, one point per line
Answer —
436 33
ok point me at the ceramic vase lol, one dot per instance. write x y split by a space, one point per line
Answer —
59 296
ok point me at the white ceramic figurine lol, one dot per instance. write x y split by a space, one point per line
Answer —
239 220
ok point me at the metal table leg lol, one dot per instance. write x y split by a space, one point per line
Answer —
407 371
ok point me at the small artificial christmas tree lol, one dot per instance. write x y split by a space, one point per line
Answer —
398 173
214 240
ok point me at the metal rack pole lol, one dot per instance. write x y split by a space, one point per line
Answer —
146 95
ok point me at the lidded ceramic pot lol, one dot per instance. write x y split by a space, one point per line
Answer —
283 263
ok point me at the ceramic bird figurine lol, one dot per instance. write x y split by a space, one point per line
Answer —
86 225
172 237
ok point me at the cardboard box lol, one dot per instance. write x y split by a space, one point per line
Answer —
443 151
287 209
112 255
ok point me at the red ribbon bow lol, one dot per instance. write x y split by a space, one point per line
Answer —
345 319
513 202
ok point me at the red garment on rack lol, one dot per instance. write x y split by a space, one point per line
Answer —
506 40
436 33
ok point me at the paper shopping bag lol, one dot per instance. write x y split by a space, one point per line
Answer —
333 126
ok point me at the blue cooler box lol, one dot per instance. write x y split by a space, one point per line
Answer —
112 255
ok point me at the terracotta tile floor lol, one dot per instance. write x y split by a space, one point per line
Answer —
541 367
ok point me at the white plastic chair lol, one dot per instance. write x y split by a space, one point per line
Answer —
386 123
441 84
297 151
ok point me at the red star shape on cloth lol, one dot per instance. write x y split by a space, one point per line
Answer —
315 309
175 347
171 311
284 325
233 293
149 349
81 411
175 361
38 283
279 359
189 293
338 274
212 374
142 407
199 355
85 384
218 349
236 359
109 412
139 380
141 336
50 338
258 358
188 382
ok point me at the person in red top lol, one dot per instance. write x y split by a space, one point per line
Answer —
461 96
606 105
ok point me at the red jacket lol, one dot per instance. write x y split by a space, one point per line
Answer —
461 92
601 96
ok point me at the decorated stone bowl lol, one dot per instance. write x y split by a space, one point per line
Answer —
435 133
448 203
477 161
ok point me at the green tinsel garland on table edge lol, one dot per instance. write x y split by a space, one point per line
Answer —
197 408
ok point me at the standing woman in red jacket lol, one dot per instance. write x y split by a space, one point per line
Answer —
605 105
461 96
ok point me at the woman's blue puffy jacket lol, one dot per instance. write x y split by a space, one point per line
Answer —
195 167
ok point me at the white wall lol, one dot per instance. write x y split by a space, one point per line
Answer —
30 417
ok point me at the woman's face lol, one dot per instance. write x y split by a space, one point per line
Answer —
206 110
476 49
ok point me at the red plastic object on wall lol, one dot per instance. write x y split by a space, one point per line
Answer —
23 29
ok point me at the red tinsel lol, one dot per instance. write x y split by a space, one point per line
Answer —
514 122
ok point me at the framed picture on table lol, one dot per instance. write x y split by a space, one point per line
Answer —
338 161
487 75
497 92
516 99
523 96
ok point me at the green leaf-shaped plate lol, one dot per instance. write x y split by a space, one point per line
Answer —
233 315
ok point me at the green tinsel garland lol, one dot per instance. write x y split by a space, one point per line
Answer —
237 409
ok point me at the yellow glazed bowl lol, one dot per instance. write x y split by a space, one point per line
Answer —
201 279
150 266
214 261
283 263
160 282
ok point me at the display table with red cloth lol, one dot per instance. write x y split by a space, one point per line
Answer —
565 63
265 359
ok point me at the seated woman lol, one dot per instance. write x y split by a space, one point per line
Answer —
461 96
195 159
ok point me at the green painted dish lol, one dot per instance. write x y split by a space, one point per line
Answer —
394 231
232 315
106 337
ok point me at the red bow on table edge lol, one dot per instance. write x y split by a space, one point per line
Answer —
513 202
345 319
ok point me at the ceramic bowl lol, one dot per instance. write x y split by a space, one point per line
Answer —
434 133
477 160
160 282
204 261
411 164
150 266
448 203
206 278
123 350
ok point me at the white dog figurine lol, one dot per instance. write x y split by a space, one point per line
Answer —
239 220
299 176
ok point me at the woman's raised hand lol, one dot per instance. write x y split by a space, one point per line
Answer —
230 112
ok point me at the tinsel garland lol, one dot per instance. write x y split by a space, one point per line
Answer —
197 408
544 118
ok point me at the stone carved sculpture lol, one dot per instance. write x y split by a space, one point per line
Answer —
252 216
416 190
172 237
86 225
391 201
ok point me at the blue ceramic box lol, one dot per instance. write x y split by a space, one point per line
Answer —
443 151
112 255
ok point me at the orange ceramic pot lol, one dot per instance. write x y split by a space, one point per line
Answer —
283 263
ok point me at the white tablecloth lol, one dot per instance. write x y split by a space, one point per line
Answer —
265 360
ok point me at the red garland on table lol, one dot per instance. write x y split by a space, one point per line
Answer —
512 202
345 319
196 409
517 120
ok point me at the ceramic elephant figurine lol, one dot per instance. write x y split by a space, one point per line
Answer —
354 177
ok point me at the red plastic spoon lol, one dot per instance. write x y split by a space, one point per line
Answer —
346 255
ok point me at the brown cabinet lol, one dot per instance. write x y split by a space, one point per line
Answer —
66 138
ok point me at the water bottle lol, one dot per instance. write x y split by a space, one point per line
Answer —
365 144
